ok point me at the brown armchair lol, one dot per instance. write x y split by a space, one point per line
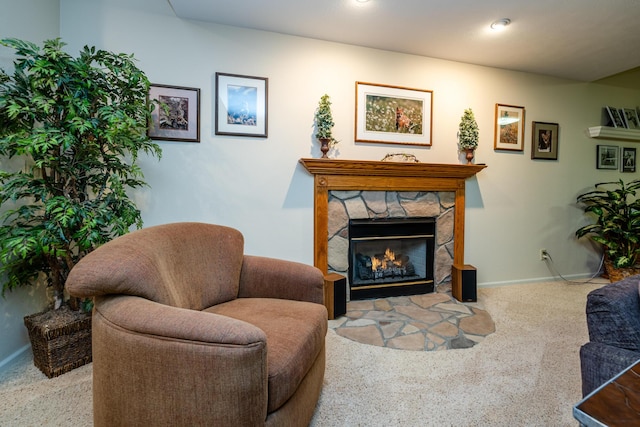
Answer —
187 330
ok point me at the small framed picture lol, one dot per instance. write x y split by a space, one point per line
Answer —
544 141
628 163
241 105
631 118
176 116
607 156
393 114
616 118
509 128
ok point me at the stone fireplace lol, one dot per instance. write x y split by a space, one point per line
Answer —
427 225
347 190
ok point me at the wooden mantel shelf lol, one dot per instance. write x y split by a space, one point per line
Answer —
378 168
332 174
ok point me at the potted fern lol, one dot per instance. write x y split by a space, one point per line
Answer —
468 134
324 123
74 126
617 225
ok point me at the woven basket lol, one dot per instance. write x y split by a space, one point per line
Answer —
617 274
60 340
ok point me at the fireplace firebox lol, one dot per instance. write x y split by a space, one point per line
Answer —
391 257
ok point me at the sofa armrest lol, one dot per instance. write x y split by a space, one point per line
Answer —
148 356
263 277
613 314
600 362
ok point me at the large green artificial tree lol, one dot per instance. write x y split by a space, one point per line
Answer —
74 127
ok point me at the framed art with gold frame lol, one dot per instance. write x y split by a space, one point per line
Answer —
393 114
509 128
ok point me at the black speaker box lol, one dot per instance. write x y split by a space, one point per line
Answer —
335 294
463 283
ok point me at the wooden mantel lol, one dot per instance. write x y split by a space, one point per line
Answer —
365 175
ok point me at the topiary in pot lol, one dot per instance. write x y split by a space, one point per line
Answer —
617 225
324 123
75 127
468 134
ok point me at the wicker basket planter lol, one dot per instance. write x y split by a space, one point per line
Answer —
60 340
617 274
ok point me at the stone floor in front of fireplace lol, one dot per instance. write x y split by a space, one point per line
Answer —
427 322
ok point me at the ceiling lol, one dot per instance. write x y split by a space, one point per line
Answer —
584 40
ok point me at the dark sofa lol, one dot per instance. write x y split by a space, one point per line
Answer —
613 320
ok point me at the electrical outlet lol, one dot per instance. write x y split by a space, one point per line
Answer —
544 255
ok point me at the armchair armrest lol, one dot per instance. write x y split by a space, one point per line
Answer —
147 356
263 277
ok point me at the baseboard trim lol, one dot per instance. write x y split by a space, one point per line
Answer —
580 277
14 355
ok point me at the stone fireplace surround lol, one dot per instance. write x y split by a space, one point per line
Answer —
422 182
347 205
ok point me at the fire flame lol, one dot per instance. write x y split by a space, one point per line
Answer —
388 261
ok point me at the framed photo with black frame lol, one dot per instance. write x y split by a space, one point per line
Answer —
176 116
241 105
617 119
607 157
509 128
628 163
544 141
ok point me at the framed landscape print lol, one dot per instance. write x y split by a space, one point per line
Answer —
393 114
544 141
509 128
178 116
628 163
241 105
607 157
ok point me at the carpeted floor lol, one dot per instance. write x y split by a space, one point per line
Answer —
526 373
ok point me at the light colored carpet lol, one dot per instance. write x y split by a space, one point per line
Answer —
527 373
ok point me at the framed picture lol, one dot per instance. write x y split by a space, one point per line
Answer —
177 117
631 118
509 128
393 114
544 141
628 163
607 157
616 118
241 105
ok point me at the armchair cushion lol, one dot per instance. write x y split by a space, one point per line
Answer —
295 332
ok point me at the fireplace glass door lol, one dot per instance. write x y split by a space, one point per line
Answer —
390 257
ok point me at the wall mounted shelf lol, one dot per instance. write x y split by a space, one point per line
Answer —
606 132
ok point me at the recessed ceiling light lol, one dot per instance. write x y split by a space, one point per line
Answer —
362 1
500 24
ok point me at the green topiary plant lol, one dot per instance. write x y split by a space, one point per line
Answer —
468 131
77 124
324 121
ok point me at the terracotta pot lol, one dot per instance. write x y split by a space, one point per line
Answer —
324 146
470 152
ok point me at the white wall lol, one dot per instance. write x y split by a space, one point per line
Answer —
515 207
33 20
